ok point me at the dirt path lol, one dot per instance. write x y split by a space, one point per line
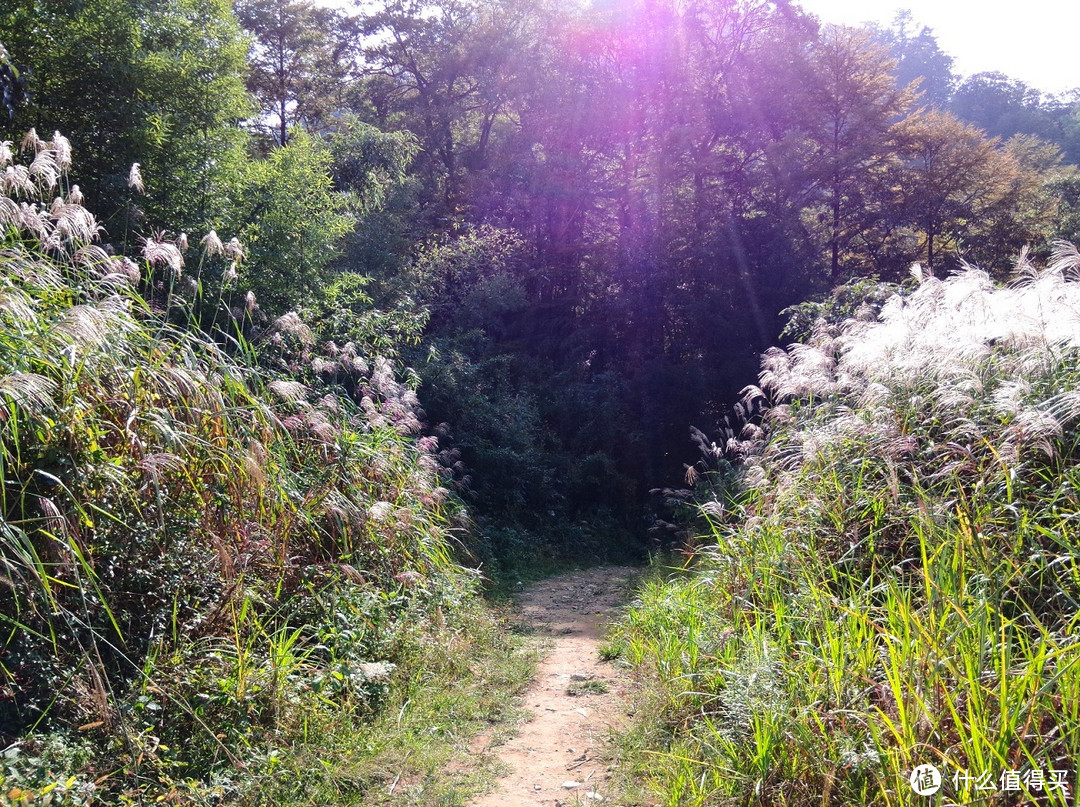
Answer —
561 756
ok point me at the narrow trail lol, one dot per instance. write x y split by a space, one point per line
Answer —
561 757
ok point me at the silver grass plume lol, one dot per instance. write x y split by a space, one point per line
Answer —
9 213
91 256
212 245
124 267
72 224
160 252
45 170
292 391
31 141
292 325
135 179
17 181
17 306
29 390
55 522
233 250
61 149
380 511
1065 260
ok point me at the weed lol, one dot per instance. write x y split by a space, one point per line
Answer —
212 576
591 687
900 586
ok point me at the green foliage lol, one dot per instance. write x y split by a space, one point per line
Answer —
367 162
197 557
291 220
160 84
298 65
11 91
861 297
919 58
345 312
901 584
1005 107
530 448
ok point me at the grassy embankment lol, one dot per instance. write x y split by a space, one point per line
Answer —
899 583
216 585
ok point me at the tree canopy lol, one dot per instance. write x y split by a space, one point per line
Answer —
596 213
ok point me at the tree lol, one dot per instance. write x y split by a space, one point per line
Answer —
1005 107
953 177
158 82
301 58
448 73
1030 212
290 220
853 103
919 58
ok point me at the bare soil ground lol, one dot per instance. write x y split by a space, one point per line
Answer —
562 756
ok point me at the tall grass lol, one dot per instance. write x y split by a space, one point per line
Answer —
901 583
190 548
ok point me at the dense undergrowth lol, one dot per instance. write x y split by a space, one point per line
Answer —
900 580
218 585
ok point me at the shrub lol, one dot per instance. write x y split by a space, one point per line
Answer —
189 546
901 586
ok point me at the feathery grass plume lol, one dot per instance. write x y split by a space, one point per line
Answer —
6 154
16 307
31 142
233 250
321 366
290 324
35 221
84 325
171 516
157 464
123 267
17 181
291 391
61 149
55 521
9 213
73 225
212 245
380 511
254 462
158 251
907 561
135 179
75 196
44 170
1065 260
320 425
30 391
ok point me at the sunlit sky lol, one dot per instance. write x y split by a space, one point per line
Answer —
1036 41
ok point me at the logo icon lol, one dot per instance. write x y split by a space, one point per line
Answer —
925 780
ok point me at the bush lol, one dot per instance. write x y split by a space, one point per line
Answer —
191 548
903 584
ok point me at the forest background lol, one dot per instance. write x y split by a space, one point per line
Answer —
579 226
491 277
